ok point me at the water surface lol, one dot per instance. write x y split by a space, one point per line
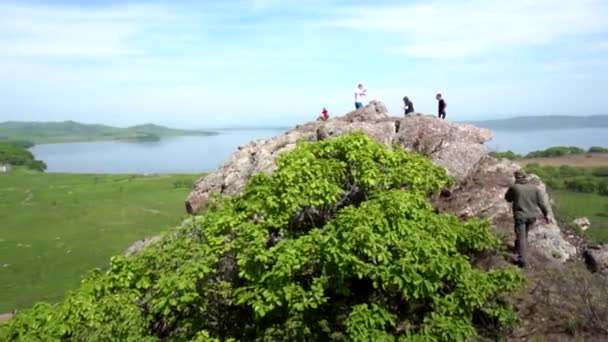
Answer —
524 141
203 154
194 154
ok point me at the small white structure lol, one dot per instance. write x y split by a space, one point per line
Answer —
5 167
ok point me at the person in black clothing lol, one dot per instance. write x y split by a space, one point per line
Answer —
408 106
442 106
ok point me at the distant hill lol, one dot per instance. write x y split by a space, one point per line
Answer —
70 131
545 122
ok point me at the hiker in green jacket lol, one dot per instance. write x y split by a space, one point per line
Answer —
526 198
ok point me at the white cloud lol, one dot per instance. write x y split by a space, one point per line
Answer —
465 28
40 31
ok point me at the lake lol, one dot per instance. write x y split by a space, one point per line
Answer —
520 141
194 154
204 154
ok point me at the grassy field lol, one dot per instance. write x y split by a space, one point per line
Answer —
56 227
570 205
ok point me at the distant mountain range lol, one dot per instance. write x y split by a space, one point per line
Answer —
71 131
545 122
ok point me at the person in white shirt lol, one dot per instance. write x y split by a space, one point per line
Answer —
360 96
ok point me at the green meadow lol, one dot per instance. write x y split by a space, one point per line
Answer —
56 227
570 205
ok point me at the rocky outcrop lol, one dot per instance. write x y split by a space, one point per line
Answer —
481 180
596 258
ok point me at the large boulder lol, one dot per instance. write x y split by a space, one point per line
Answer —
596 258
481 180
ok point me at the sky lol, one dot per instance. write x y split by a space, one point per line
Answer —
210 64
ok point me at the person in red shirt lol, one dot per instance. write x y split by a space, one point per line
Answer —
324 115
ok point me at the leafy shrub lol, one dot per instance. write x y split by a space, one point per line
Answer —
583 184
546 173
506 155
556 151
600 172
569 171
340 243
598 149
554 184
19 156
602 188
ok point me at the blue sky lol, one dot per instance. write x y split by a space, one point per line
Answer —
278 62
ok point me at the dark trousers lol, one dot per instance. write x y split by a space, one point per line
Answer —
522 227
441 115
358 105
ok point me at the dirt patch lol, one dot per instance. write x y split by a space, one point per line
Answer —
5 317
577 160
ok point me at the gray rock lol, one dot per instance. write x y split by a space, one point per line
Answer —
583 223
482 195
481 180
548 237
596 258
138 246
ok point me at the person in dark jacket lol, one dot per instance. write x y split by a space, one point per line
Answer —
526 199
442 105
408 106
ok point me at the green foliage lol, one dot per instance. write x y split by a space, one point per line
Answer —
600 172
340 243
556 151
19 156
506 155
597 149
571 178
581 184
602 188
20 143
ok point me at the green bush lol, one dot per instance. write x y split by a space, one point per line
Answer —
600 172
571 178
602 188
598 149
570 171
506 155
339 244
19 156
556 151
544 172
581 184
553 183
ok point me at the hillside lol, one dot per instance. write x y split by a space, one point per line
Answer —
545 122
70 131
